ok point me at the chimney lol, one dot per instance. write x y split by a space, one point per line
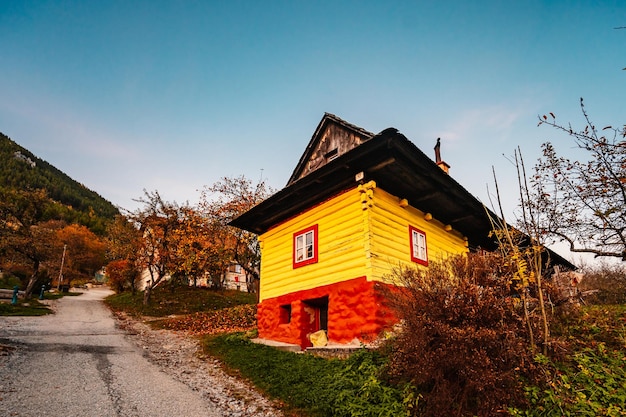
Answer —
443 165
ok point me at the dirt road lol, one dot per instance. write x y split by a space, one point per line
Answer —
77 362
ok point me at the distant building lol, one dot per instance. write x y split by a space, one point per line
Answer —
234 278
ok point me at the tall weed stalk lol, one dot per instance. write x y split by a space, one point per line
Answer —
526 253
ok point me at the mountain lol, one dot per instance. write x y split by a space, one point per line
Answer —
21 170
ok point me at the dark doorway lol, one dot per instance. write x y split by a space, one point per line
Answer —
317 308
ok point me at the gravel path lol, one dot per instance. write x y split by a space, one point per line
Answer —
82 361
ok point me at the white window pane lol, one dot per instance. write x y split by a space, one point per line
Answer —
305 246
419 245
416 248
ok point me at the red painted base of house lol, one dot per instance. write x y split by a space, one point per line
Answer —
350 309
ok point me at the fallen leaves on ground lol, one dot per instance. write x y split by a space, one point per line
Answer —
233 319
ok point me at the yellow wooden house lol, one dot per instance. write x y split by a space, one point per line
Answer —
357 206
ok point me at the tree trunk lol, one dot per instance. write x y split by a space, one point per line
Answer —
32 280
146 295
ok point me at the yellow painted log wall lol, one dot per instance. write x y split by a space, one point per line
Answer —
363 232
340 251
390 241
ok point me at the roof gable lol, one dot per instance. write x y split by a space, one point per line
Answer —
332 138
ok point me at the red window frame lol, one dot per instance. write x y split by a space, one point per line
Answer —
414 258
309 260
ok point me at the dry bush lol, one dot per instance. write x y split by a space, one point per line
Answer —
605 284
464 343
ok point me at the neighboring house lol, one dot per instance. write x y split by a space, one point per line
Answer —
356 207
234 278
144 280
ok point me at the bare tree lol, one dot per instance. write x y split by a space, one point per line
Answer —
584 202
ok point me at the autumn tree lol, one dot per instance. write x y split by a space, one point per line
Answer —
124 243
85 252
122 274
24 239
584 200
157 222
200 248
222 202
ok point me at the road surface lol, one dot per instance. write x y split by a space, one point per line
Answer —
77 363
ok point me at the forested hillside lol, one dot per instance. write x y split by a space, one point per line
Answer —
21 170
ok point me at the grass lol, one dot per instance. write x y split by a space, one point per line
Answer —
183 300
30 307
309 385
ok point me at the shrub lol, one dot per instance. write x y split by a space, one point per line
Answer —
463 343
592 383
8 281
606 283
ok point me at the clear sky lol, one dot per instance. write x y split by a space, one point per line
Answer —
173 95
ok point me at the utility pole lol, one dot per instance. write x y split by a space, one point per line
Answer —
61 270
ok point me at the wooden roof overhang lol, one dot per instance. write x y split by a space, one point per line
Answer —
397 166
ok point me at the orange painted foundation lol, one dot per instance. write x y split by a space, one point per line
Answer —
353 309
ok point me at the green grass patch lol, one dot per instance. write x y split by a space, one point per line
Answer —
586 375
24 308
56 295
182 300
316 386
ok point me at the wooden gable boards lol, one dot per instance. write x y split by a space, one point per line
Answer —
332 138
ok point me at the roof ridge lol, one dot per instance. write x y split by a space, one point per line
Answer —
348 124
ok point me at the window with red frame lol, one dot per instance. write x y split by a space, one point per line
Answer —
419 251
305 247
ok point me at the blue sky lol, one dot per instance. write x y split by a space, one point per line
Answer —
172 95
